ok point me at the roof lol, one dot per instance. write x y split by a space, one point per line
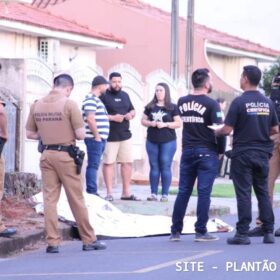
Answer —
207 33
36 17
222 38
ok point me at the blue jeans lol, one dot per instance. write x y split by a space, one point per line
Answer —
95 150
160 159
201 164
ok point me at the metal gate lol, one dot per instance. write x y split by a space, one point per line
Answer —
9 151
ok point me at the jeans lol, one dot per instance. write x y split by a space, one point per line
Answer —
95 150
201 164
160 159
247 170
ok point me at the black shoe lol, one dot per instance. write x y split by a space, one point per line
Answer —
255 232
97 245
8 232
277 232
268 238
239 239
52 249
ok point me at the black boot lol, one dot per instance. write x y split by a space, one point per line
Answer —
255 232
268 238
277 232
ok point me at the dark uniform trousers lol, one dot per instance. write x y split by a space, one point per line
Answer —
58 168
2 176
251 169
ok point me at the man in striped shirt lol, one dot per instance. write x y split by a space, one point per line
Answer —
97 130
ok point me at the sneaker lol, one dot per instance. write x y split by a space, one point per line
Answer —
97 245
175 237
153 197
239 239
201 237
277 232
268 238
255 232
109 197
164 198
52 249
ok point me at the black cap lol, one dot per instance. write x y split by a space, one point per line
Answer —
99 80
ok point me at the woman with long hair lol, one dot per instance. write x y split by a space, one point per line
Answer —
161 117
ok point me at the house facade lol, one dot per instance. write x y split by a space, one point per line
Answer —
40 41
35 46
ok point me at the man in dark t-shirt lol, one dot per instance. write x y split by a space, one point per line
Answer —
199 158
119 146
253 120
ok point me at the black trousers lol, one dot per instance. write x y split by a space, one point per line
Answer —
251 169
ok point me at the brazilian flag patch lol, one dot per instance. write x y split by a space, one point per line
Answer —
219 114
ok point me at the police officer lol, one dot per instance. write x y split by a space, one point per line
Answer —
57 121
199 158
274 162
253 119
4 232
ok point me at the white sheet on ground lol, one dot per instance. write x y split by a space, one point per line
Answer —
108 220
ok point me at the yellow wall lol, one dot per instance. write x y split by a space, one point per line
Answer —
229 68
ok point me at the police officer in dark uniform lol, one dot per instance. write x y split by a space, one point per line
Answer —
199 159
57 121
253 120
274 162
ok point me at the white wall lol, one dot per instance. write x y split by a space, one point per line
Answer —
14 45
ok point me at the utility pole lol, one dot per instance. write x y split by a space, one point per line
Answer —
174 69
189 43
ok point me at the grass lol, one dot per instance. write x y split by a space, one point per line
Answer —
220 190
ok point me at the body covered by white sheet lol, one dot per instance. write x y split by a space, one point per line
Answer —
107 220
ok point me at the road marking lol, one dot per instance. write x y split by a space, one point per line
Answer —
63 274
171 263
143 270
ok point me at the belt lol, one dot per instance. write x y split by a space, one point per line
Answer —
56 148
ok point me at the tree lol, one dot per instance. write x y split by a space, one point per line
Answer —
268 76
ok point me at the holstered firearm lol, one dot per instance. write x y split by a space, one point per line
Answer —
78 157
2 143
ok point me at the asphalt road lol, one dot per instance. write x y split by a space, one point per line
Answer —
151 258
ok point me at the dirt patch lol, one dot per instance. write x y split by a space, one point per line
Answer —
20 213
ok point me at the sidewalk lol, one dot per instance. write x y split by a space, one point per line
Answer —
219 207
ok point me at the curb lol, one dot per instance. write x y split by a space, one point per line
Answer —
10 246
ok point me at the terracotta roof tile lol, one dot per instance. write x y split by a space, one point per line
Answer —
222 38
207 33
36 17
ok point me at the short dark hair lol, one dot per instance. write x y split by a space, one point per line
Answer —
114 74
253 74
63 80
200 77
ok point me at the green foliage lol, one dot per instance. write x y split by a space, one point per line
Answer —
221 190
268 75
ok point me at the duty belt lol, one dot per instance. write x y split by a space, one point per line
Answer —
56 148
